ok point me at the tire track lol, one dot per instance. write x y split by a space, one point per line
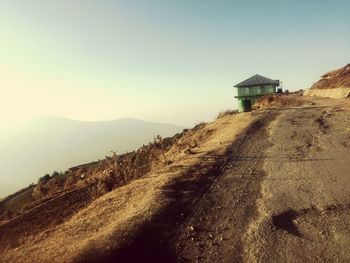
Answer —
214 231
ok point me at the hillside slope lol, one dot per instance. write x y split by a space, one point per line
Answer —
339 78
90 219
270 185
55 144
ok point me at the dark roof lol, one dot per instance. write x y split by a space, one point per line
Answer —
257 80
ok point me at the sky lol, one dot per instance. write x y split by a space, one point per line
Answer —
163 61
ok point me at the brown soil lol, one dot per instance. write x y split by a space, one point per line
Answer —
334 79
280 100
266 186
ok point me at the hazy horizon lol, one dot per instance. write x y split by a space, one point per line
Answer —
14 128
173 62
56 144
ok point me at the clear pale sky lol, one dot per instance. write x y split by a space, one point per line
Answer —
165 61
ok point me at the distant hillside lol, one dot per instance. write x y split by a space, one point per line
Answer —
7 189
334 79
55 143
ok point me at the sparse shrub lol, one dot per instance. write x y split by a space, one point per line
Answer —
44 178
38 192
270 99
69 181
226 113
199 126
112 171
55 173
189 151
158 141
193 144
277 100
161 144
52 186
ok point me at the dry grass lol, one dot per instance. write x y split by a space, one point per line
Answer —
14 203
334 79
279 100
226 113
105 224
101 177
110 219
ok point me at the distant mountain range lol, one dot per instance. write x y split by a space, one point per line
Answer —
56 144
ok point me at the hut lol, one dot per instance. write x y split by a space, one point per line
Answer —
250 89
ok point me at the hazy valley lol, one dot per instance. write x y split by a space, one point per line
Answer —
56 144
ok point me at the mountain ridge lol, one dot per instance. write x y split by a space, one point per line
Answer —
57 143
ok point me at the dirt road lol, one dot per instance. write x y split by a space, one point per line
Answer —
303 209
284 196
215 229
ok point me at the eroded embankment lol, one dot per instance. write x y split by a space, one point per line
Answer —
336 93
